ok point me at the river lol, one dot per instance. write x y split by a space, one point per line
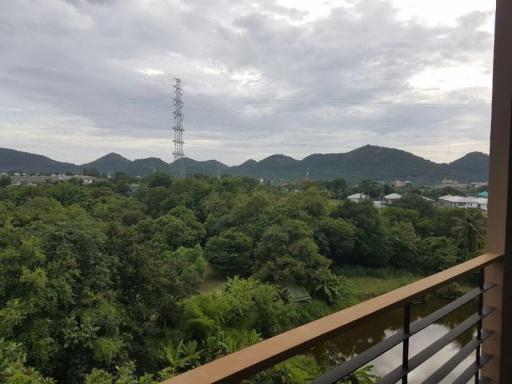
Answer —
371 332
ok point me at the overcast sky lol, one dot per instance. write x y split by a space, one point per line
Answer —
79 79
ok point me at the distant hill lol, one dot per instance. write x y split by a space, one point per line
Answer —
379 163
110 164
209 167
114 162
17 161
469 165
149 165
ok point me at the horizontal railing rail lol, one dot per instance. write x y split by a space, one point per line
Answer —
258 357
364 358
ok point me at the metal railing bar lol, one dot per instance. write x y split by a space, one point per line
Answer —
472 369
398 373
446 339
456 359
360 360
365 357
394 376
447 309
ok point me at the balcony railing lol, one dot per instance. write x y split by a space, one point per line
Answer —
256 358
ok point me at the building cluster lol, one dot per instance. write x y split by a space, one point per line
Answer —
455 184
463 202
386 200
403 184
449 201
19 179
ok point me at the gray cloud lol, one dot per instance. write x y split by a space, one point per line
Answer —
258 79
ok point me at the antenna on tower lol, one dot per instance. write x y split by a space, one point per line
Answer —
178 130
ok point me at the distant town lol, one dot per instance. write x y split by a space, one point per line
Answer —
475 193
17 179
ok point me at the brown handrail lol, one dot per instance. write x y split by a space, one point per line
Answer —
253 359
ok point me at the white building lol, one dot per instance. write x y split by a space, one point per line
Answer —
401 183
478 184
482 203
357 197
391 198
450 183
463 202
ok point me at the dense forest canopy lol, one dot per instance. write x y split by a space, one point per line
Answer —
101 283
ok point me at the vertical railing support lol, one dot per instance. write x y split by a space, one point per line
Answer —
480 307
405 344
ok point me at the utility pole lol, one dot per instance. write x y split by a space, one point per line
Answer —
178 130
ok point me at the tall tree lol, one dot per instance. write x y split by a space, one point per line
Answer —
470 232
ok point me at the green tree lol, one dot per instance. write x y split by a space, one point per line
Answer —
230 253
124 374
5 181
469 230
370 188
167 278
312 202
68 193
156 200
13 369
371 247
159 179
396 214
169 232
437 254
336 238
338 187
404 246
288 252
416 202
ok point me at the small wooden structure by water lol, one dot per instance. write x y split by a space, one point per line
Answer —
295 293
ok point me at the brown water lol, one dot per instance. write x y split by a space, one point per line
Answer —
373 331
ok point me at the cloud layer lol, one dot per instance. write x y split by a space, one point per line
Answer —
82 78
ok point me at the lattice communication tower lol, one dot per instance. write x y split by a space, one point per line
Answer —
178 130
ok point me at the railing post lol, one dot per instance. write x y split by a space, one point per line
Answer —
405 344
493 298
480 307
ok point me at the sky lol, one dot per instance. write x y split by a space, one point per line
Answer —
82 78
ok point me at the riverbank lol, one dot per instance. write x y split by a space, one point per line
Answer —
363 283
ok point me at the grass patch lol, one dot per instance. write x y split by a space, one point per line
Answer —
213 280
365 283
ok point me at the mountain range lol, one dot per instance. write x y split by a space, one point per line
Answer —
369 161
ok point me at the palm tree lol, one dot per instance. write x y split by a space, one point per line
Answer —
180 358
469 229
